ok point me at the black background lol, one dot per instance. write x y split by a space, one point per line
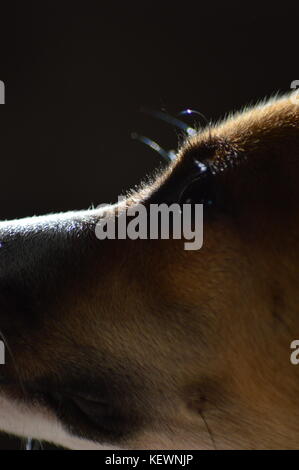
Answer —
77 74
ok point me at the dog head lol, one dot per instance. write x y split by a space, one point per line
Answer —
143 344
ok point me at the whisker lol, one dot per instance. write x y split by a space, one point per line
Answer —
170 120
33 444
189 112
28 445
168 155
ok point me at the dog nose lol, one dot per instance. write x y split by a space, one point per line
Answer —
38 256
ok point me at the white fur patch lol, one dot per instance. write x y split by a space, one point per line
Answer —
39 423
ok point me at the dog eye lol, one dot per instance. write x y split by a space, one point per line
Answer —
200 189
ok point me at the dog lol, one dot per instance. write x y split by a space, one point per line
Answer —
141 344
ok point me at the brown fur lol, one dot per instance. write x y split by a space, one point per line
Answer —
192 347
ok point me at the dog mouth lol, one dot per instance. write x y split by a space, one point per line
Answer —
83 413
86 416
95 406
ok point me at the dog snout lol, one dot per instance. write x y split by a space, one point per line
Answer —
38 256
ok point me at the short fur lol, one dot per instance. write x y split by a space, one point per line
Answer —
176 349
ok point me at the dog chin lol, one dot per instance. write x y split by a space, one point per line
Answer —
39 423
